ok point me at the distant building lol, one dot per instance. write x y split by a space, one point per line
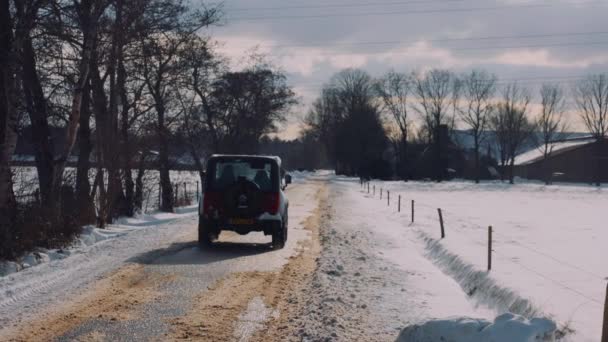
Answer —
573 160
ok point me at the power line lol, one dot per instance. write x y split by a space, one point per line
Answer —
408 12
439 40
478 48
350 5
539 79
391 3
531 84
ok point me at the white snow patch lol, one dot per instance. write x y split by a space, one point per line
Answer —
505 328
253 319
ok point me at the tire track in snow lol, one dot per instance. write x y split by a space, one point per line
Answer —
25 294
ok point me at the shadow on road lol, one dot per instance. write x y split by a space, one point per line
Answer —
189 253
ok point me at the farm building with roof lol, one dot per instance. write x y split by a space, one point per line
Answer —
582 159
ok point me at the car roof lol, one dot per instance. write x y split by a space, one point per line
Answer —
245 156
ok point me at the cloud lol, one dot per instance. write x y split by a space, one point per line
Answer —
545 59
562 39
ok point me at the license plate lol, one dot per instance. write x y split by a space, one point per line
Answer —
240 221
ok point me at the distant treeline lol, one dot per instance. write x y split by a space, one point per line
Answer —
402 125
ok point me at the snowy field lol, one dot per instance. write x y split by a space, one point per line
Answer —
549 258
26 182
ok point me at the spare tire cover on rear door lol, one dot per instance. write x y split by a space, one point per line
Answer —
243 199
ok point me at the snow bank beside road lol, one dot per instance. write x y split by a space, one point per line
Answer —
505 328
478 284
92 236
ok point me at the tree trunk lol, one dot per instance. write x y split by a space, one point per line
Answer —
38 113
598 161
100 186
545 166
197 161
512 170
100 110
403 162
477 166
73 122
8 114
112 155
163 160
126 149
138 199
86 207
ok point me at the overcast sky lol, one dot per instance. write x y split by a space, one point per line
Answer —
533 41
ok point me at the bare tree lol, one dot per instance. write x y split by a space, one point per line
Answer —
161 66
202 128
347 119
550 123
394 89
437 94
478 88
591 96
511 125
248 105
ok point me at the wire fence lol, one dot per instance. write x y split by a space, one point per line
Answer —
399 204
184 194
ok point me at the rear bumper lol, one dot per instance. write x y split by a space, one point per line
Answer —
258 225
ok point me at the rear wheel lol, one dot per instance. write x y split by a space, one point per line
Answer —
279 236
205 236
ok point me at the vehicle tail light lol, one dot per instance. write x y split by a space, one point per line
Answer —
211 203
271 203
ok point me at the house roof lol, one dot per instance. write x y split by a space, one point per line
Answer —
558 147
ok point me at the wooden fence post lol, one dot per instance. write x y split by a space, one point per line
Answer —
412 211
441 223
185 192
160 195
605 325
489 248
380 193
399 204
374 191
197 194
368 187
388 198
176 191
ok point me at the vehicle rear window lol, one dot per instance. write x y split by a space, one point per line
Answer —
225 173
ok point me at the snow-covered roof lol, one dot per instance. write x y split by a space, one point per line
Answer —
557 148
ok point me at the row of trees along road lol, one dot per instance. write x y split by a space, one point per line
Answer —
123 79
356 116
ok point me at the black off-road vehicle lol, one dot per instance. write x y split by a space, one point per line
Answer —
244 194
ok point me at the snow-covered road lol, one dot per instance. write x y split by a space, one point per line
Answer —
163 245
26 294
